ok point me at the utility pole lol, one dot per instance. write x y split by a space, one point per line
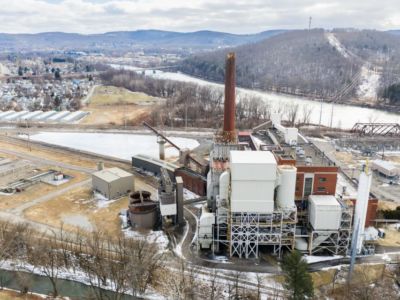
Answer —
186 111
309 23
332 114
320 114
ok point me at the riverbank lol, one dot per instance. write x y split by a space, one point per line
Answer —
309 97
342 116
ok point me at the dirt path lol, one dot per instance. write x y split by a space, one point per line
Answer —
20 209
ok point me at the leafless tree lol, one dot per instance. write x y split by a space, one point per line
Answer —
291 113
307 112
45 255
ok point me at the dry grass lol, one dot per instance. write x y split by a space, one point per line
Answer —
51 154
38 190
393 158
111 95
344 157
392 238
118 106
387 205
81 202
51 212
11 295
322 278
117 115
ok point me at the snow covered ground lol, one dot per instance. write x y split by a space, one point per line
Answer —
333 41
314 258
351 192
158 238
369 84
122 146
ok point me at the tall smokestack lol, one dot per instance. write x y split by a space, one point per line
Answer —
230 105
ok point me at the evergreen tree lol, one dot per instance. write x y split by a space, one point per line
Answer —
297 279
57 74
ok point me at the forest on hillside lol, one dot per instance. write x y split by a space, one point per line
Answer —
304 62
298 62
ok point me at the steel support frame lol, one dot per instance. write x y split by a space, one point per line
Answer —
245 232
337 242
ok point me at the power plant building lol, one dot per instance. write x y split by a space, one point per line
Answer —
113 183
276 193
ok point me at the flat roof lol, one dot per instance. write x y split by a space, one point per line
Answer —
252 157
389 166
322 200
111 174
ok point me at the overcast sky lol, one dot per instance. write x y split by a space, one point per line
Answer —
236 16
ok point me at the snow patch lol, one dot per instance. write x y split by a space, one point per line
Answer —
314 259
122 146
154 237
369 84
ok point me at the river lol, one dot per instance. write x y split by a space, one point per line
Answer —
339 115
41 285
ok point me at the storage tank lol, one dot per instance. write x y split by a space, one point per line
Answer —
209 183
206 222
143 211
325 212
301 244
224 180
287 188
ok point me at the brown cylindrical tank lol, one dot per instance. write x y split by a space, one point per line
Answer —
230 105
142 210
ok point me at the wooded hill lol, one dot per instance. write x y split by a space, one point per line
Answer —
304 62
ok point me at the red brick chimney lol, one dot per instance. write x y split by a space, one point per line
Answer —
229 132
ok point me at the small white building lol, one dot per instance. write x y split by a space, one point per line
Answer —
386 168
112 183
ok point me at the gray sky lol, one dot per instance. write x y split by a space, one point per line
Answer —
236 16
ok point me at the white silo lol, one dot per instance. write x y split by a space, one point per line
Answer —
364 186
224 181
286 190
209 185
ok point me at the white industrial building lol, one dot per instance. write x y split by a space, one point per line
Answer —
385 168
248 214
112 183
253 176
255 206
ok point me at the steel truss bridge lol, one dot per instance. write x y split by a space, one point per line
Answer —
377 129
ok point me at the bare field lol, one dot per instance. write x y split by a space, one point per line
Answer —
38 190
52 154
112 95
12 295
79 206
118 106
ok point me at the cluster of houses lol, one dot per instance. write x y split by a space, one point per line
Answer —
25 94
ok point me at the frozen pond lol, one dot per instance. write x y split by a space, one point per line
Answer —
344 116
122 146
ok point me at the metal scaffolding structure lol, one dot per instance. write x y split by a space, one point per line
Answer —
336 242
243 233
